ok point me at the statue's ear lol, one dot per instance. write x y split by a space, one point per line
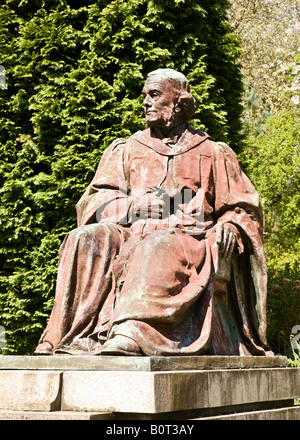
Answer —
187 103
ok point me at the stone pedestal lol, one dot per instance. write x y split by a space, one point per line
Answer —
137 388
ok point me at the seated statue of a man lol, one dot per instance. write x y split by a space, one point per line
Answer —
167 258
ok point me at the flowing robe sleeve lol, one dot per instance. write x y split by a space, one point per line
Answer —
106 198
237 202
233 189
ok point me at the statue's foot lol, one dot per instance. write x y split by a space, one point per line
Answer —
45 348
121 345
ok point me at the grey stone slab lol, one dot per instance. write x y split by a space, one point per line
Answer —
113 391
136 363
159 392
134 392
291 413
181 391
53 415
30 390
283 385
236 387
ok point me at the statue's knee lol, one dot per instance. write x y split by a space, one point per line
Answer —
83 232
159 238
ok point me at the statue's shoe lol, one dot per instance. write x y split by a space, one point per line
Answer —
121 346
45 348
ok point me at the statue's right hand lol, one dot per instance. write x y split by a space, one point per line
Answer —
148 205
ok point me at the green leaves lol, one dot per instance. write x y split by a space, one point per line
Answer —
277 150
272 160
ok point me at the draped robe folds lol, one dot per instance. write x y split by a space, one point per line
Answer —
161 281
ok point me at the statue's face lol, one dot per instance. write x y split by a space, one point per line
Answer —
160 99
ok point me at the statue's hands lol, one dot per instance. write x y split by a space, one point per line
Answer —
227 238
148 205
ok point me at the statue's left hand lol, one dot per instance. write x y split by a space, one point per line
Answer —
227 237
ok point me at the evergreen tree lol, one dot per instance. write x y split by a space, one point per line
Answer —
74 74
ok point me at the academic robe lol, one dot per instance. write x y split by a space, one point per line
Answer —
162 281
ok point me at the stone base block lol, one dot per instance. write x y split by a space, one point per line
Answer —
182 391
140 390
30 390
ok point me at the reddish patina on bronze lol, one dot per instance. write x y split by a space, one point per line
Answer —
167 258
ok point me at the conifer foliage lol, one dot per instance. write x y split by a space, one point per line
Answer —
74 74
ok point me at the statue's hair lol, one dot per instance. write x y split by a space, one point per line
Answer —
186 101
177 79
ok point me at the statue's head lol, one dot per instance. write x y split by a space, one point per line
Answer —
167 99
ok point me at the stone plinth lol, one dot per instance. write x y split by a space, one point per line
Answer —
165 392
138 363
202 387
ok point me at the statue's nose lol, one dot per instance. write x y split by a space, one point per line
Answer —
146 102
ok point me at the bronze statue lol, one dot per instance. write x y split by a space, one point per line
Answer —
167 258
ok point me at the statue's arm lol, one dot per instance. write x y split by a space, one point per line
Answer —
238 214
106 198
234 193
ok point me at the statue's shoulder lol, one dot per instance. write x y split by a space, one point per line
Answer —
124 145
140 135
140 139
198 140
114 150
117 143
211 147
224 149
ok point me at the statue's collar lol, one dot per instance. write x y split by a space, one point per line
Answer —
189 139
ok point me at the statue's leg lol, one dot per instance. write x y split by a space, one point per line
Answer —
162 283
83 283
